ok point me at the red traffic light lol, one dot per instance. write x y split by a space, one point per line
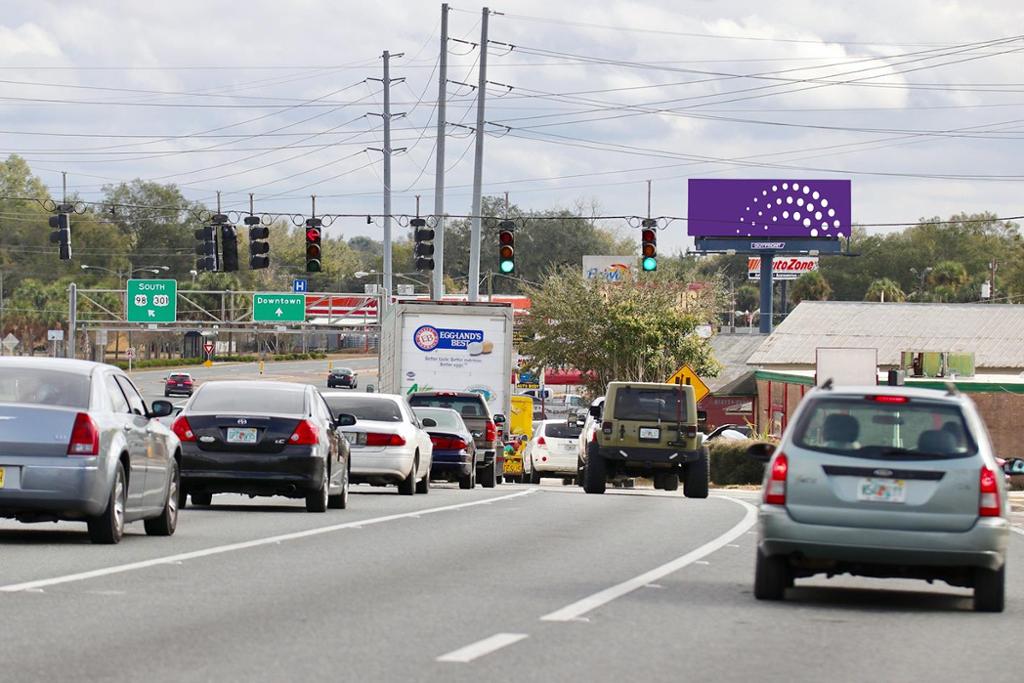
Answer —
648 236
505 237
313 235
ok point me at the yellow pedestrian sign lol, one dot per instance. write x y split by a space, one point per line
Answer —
686 375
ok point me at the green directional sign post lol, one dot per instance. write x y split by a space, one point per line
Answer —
279 308
152 301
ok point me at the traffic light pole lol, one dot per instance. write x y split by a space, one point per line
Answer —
478 166
437 290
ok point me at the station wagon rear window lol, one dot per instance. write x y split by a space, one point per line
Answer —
373 409
885 427
44 387
656 405
559 430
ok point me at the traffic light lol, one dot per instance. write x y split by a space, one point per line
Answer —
206 251
62 234
649 245
423 251
229 248
313 250
506 247
259 248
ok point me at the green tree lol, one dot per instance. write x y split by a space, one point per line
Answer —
884 289
810 286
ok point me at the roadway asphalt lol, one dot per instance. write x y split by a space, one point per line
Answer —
519 582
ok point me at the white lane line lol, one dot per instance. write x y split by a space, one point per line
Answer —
483 647
580 607
244 545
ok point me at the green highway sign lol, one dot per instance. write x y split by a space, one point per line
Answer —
152 301
279 308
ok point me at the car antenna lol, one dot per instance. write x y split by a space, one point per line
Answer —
951 389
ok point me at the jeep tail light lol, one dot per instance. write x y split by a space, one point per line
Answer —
988 505
305 434
85 436
775 491
491 431
182 429
606 427
691 431
373 439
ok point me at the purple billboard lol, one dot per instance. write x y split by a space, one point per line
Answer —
768 208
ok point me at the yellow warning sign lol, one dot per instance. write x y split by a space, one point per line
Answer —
686 375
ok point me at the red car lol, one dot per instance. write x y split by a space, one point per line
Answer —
178 383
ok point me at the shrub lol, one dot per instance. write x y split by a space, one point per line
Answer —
184 362
730 464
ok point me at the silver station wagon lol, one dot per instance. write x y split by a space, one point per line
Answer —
884 482
77 442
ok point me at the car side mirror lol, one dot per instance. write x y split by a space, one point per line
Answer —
161 409
702 416
344 420
499 419
428 422
595 411
369 388
761 451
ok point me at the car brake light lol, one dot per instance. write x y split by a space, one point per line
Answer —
988 505
775 492
594 438
606 427
305 434
188 383
384 440
491 431
85 437
448 444
541 441
890 399
182 429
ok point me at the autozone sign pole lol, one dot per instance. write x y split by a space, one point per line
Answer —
783 267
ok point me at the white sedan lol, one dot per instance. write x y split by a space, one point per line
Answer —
554 450
389 446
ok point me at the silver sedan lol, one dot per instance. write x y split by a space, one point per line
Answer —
77 442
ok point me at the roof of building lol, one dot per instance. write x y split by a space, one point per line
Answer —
993 332
732 351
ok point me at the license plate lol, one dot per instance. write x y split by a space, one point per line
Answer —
241 435
355 438
1 477
650 433
882 490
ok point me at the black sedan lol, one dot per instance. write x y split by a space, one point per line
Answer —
454 451
342 377
263 439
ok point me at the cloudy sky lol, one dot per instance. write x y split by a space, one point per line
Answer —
919 102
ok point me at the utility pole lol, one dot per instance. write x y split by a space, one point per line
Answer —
442 105
386 81
993 266
478 165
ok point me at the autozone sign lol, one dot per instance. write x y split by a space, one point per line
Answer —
783 267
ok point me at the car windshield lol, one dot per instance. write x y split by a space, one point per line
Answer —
561 430
446 419
341 371
466 406
44 387
885 427
638 403
226 397
375 409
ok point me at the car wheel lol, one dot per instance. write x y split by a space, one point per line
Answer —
340 501
771 576
423 485
182 495
317 500
670 481
201 498
989 589
535 476
488 480
407 486
167 522
696 477
595 473
466 480
108 526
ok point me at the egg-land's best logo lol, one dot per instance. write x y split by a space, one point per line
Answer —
426 338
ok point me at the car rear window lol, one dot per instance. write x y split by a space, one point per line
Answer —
638 403
179 377
444 418
885 427
466 406
44 387
376 409
561 430
226 397
341 371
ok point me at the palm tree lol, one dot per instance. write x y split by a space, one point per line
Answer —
884 289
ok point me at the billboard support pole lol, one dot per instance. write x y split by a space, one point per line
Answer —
767 258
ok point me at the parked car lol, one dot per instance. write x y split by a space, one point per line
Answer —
730 432
454 454
388 444
342 377
884 482
78 443
477 415
263 439
554 450
180 383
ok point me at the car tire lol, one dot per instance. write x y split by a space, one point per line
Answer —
340 500
167 522
488 480
989 589
318 500
407 486
182 497
697 477
535 476
670 481
423 485
466 481
595 474
108 526
771 576
201 498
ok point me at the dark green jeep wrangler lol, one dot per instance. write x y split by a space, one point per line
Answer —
647 430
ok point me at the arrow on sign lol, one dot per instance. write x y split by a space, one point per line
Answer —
152 313
279 312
